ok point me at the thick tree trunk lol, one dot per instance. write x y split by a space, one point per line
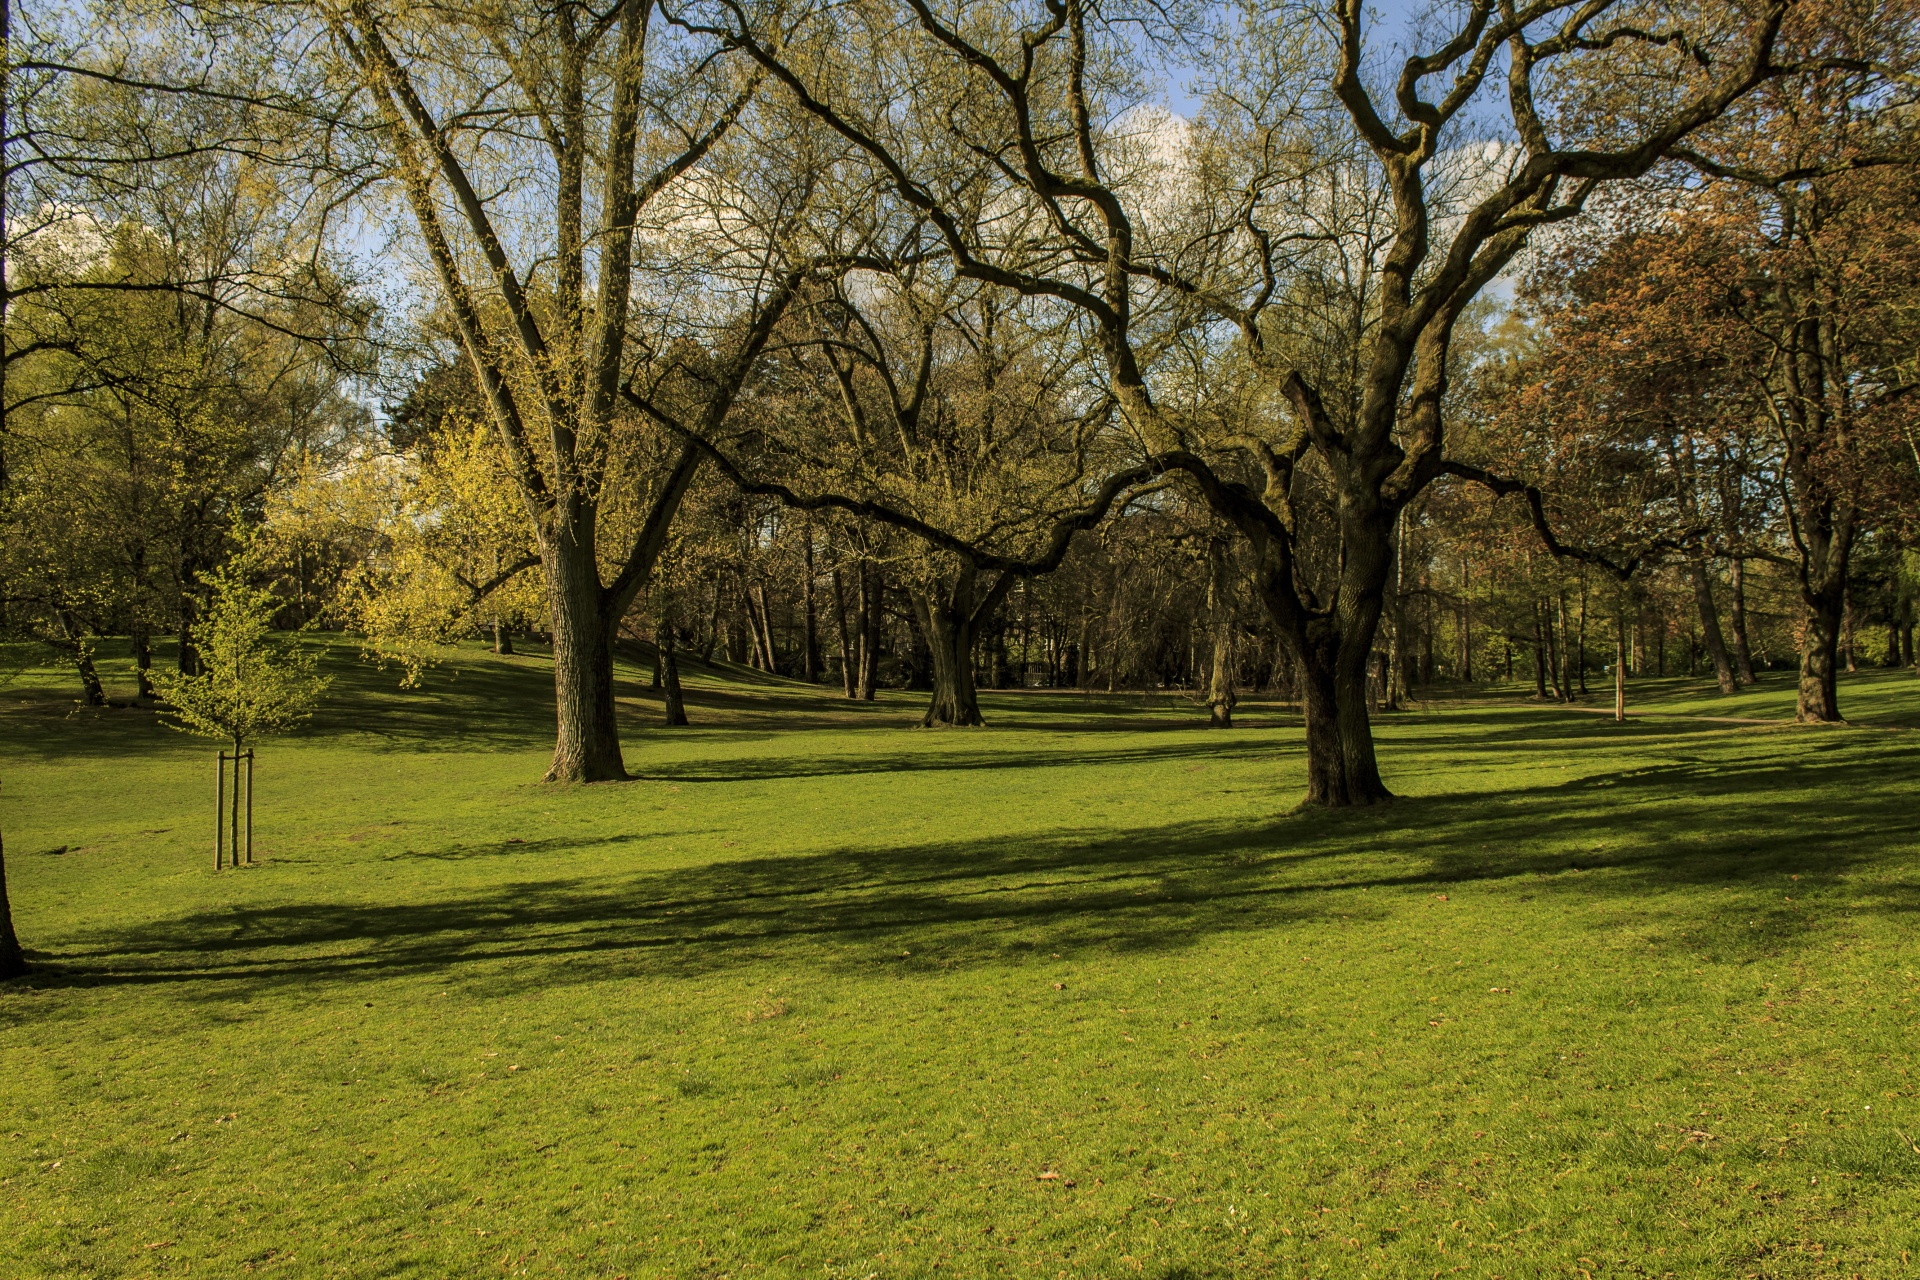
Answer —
1819 701
956 702
502 638
1326 762
1221 697
1715 642
13 961
1742 651
587 746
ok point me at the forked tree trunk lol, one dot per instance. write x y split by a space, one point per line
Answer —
1715 642
949 633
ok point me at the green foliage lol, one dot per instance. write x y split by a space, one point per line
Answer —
251 684
787 1006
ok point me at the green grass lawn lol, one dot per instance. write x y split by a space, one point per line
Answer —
822 995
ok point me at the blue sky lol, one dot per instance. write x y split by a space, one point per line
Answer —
1390 20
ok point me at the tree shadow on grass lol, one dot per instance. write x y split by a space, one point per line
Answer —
1642 837
1071 755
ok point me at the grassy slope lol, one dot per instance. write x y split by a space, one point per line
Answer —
820 994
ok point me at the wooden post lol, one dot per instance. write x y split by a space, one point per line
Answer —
233 844
249 806
1620 669
220 813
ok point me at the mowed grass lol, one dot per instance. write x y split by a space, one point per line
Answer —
819 994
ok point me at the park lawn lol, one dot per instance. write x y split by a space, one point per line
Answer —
1076 995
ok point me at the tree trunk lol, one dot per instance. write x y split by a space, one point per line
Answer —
80 653
949 636
1326 762
1620 670
1566 649
670 678
873 593
810 656
1819 701
502 638
1466 621
1556 660
846 639
769 658
1220 694
713 626
1367 541
587 745
143 662
1394 677
13 961
1742 651
188 656
1710 634
1580 658
1539 656
1360 764
1847 621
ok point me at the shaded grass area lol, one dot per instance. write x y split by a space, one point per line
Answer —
1078 994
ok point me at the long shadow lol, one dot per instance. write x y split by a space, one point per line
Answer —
767 768
1635 836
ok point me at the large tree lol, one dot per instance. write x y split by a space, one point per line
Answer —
560 163
1034 96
